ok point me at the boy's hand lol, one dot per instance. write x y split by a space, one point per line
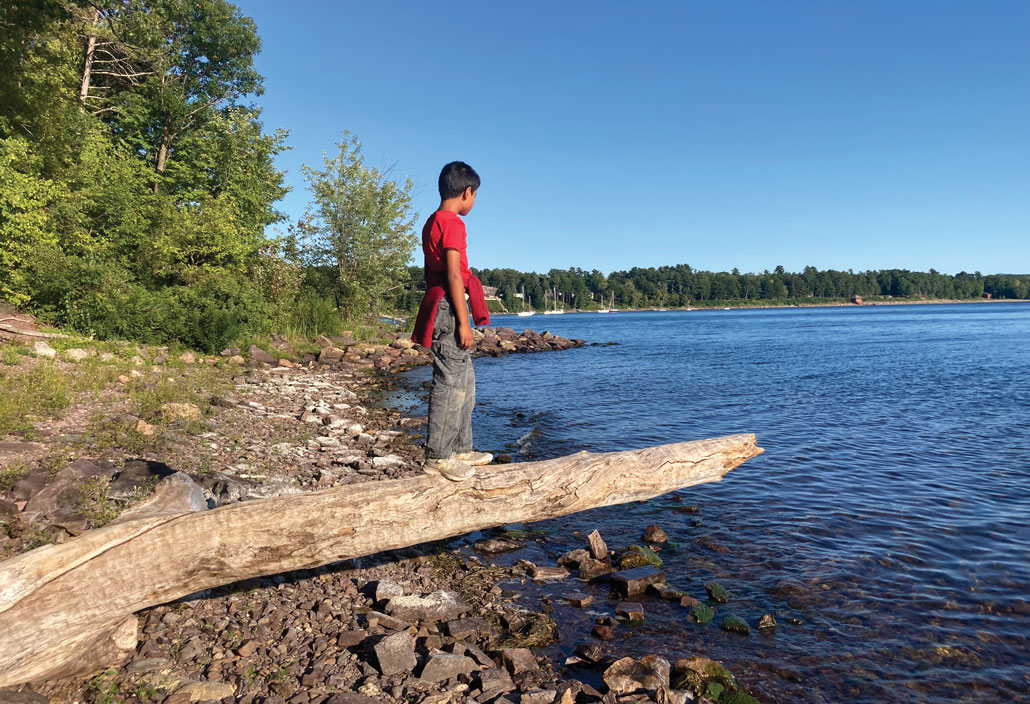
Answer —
465 339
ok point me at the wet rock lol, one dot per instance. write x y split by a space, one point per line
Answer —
396 654
545 573
579 599
654 534
767 622
627 675
631 611
638 556
590 652
735 624
592 569
666 591
717 592
178 411
688 601
598 549
694 673
603 631
493 546
438 606
701 613
42 349
444 666
573 558
259 355
636 580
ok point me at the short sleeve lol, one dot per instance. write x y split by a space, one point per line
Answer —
453 235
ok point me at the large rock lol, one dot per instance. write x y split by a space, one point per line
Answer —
259 355
58 494
42 349
330 354
627 675
438 606
636 580
175 494
396 654
444 666
519 660
75 354
201 692
598 549
178 411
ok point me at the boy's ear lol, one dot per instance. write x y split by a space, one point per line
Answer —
468 193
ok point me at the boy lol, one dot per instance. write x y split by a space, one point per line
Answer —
443 325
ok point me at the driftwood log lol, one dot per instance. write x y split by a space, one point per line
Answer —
69 609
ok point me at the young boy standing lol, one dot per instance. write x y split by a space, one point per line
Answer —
443 325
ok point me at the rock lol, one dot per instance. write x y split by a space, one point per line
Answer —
387 589
144 428
176 493
462 629
519 660
579 599
188 358
236 359
259 355
83 469
638 556
179 411
603 631
42 349
627 675
701 613
666 591
598 549
688 601
438 606
27 696
396 654
543 573
75 354
717 592
444 666
492 546
573 558
767 622
636 580
695 672
248 648
348 639
200 691
654 534
591 568
538 696
590 652
735 624
330 354
494 682
631 611
388 622
346 698
30 485
57 494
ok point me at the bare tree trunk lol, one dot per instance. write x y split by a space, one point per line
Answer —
87 68
68 609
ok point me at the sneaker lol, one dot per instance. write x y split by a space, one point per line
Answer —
450 468
476 459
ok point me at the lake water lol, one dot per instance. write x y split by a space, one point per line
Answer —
890 512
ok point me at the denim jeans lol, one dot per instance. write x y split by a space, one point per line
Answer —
454 389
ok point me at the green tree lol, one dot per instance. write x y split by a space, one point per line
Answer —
359 223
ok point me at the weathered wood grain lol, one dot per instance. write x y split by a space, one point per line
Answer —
68 609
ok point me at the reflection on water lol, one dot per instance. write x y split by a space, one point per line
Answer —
890 513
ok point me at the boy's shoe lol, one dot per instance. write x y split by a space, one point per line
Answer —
450 468
476 459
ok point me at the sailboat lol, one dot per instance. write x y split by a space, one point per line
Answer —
526 313
555 310
609 308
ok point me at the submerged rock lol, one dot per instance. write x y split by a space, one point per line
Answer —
717 592
654 534
701 613
636 580
767 622
627 675
735 624
638 556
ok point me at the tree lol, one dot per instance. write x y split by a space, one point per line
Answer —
359 223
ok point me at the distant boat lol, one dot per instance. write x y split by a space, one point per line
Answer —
609 308
555 310
526 313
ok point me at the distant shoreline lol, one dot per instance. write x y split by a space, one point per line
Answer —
839 304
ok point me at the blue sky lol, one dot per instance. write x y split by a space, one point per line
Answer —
749 134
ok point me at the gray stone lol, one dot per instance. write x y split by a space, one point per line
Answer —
30 485
396 654
636 580
438 606
42 349
538 696
463 628
444 666
598 549
387 589
259 355
350 698
57 494
8 696
493 546
495 682
518 660
201 691
387 621
75 354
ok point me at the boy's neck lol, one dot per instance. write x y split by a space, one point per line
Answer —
451 205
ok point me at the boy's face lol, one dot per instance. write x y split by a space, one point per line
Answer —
468 199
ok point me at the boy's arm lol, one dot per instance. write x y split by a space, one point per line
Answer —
456 290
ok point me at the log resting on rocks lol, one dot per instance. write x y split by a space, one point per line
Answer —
67 609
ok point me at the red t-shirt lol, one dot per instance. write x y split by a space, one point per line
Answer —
444 230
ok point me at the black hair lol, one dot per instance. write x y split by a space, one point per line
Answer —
455 178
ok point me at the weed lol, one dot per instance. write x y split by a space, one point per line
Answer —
42 390
145 691
95 503
9 476
103 689
106 433
12 354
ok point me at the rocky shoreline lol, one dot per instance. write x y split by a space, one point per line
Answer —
426 624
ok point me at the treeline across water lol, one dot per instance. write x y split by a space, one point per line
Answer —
681 285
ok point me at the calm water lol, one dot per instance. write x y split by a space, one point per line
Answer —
890 511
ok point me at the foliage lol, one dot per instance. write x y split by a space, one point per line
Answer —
360 225
41 390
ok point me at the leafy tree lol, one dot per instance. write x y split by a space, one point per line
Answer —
359 223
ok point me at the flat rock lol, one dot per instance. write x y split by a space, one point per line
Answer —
444 666
629 610
494 546
75 354
579 599
542 573
591 568
27 696
495 682
464 628
179 411
387 589
627 675
396 654
201 691
390 623
518 660
438 606
259 355
348 639
637 579
538 696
